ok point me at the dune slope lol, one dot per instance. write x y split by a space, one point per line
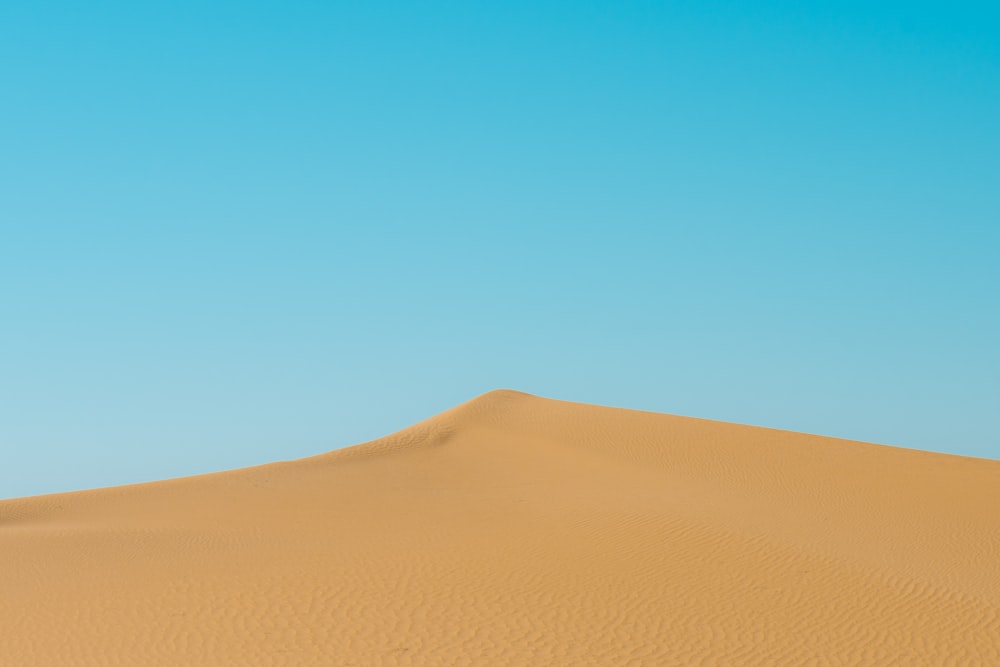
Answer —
517 530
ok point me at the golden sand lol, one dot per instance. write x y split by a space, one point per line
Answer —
517 530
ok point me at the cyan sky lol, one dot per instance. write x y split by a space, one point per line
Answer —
262 230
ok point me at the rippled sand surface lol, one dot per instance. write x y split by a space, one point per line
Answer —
517 530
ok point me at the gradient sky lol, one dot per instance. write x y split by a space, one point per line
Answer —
236 232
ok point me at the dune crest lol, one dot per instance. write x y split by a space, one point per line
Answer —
518 530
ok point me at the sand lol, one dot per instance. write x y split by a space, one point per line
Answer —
518 530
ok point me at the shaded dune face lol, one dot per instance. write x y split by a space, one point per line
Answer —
516 530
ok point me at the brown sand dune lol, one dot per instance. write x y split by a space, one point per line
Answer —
516 530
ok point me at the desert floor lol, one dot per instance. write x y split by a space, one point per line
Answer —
517 530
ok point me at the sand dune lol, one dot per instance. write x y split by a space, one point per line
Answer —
517 530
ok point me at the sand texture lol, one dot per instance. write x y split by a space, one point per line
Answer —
517 530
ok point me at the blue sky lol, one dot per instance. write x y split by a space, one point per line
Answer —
232 233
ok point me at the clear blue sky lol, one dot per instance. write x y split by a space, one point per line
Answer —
235 232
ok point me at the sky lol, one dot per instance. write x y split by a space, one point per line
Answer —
240 232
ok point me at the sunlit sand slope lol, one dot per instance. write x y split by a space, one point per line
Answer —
516 530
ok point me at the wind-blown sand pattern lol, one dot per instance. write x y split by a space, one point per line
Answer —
517 530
